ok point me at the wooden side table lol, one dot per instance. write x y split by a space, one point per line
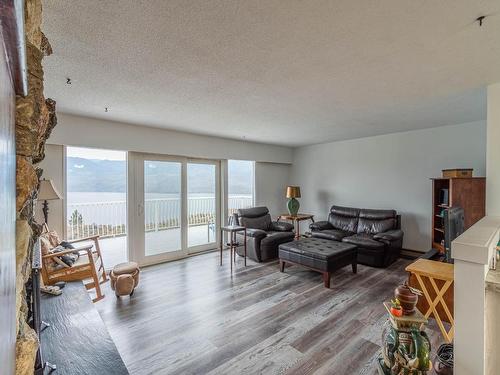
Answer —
233 244
434 279
296 219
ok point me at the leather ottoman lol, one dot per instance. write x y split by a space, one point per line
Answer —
319 255
124 278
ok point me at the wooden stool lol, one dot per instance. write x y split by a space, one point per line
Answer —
124 278
427 272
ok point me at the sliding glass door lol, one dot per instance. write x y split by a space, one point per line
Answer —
174 207
162 207
202 204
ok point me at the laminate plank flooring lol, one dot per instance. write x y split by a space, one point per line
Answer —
193 317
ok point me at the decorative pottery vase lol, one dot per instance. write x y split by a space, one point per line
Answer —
293 206
407 297
405 352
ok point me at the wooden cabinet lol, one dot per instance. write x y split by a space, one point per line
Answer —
468 193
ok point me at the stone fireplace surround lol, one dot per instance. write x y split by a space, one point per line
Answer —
35 119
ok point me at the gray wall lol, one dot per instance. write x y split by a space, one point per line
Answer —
389 171
271 180
7 220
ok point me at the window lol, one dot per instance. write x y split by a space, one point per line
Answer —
240 184
96 201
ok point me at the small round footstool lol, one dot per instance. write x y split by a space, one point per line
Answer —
124 278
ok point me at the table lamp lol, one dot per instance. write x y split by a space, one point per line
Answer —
47 193
293 204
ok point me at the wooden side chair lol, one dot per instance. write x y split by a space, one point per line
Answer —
88 267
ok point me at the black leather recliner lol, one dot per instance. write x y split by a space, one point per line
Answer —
376 233
263 235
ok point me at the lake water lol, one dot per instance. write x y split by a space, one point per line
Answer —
87 197
113 208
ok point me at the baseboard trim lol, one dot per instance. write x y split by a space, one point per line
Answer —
410 254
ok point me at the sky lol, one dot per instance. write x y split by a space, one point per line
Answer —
95 153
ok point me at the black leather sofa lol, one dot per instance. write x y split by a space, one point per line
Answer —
263 235
376 233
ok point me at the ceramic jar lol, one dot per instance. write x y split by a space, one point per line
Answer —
407 297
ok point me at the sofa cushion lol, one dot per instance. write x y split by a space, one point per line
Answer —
262 222
273 239
344 218
53 237
376 221
363 240
375 226
253 212
344 211
281 226
371 214
320 225
45 245
253 233
390 235
348 224
332 234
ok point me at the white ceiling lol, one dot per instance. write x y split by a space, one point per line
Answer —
289 72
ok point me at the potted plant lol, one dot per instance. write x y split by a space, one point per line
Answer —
396 308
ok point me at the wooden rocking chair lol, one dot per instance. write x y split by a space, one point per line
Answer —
89 265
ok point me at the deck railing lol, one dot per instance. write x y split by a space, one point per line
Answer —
108 219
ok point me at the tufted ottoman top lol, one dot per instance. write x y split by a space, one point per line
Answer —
125 268
318 248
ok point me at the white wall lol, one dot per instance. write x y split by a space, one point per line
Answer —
493 151
492 325
53 168
88 132
271 180
389 171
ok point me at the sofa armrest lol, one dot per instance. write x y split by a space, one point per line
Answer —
254 233
281 226
390 235
320 225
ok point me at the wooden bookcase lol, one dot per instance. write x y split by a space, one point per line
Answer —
468 193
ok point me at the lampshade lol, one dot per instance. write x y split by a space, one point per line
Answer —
47 191
293 192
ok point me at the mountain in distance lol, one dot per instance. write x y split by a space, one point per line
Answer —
95 175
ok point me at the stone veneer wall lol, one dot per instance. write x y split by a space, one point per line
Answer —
35 119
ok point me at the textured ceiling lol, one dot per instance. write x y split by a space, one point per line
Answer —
289 72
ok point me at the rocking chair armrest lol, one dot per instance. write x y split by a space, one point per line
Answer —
87 248
90 238
69 251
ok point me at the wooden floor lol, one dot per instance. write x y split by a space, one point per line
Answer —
193 317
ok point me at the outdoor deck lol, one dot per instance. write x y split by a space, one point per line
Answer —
114 249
